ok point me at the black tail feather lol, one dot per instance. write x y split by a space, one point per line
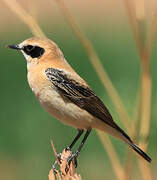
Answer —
139 151
134 147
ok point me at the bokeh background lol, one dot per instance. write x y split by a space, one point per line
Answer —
26 129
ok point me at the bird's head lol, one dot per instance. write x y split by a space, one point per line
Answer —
36 50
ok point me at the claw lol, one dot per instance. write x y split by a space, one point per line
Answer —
59 157
69 159
54 164
67 168
67 149
54 167
75 162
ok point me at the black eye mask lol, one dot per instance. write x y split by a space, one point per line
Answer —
33 51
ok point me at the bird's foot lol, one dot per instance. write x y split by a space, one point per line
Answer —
68 149
62 157
70 158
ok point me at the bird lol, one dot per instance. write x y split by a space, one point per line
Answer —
65 95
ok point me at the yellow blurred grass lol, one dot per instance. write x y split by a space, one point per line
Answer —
29 20
144 43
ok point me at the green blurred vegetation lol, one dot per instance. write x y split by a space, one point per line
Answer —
26 129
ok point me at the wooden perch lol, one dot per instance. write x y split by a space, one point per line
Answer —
62 174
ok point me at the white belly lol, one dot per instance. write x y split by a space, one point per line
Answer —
56 105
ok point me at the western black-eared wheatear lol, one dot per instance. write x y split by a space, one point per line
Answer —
65 95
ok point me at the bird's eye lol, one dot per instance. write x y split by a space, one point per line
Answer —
29 48
33 51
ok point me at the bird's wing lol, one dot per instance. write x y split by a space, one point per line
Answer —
82 96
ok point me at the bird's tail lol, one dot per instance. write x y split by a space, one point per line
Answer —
117 132
140 152
127 139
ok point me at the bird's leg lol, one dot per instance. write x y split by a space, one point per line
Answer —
74 155
80 132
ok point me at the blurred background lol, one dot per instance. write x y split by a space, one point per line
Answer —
26 129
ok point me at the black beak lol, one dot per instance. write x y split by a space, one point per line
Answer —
14 46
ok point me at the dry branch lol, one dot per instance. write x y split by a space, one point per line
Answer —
143 40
